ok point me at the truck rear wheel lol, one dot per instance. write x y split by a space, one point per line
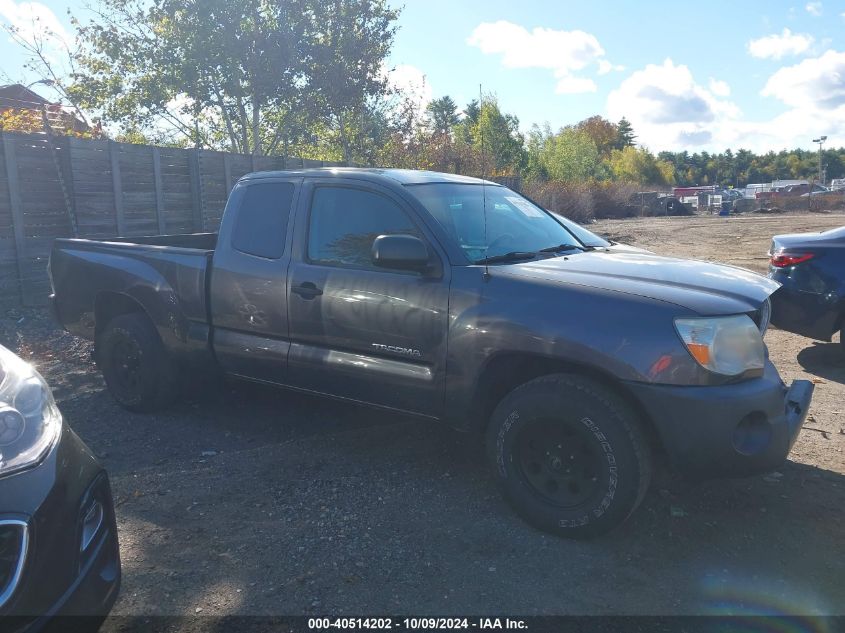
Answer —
569 455
137 369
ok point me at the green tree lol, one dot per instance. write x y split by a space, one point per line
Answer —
245 74
443 115
489 141
639 166
350 42
625 136
571 155
473 111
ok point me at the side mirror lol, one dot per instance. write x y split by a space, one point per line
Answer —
400 252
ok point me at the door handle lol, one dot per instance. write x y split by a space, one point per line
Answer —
307 290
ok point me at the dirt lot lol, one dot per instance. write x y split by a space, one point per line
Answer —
253 501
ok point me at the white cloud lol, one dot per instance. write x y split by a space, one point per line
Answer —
562 52
669 109
778 46
814 8
719 88
606 67
816 83
34 20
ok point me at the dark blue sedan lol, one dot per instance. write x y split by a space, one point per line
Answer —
811 269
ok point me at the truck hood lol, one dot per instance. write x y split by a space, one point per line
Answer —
706 288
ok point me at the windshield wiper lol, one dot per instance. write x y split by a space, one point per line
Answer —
513 256
565 247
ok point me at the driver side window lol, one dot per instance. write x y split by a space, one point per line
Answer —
345 221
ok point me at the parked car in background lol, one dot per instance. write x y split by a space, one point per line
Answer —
837 184
793 191
455 300
58 538
820 191
811 270
770 194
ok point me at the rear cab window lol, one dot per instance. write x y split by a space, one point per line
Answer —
261 225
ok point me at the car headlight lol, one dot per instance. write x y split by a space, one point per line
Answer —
729 345
30 422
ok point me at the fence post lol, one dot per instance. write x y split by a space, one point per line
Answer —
159 190
51 142
227 172
117 188
194 160
17 207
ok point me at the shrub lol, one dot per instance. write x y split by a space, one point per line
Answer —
575 201
615 200
582 202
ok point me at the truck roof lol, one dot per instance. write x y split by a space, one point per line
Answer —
401 176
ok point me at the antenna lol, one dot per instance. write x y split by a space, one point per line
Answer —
486 274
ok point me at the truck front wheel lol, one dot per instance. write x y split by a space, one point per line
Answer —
137 369
569 455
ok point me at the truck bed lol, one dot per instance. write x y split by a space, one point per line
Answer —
165 274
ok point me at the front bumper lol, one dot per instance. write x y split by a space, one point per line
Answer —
61 577
728 430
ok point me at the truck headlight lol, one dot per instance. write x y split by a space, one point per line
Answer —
729 345
30 422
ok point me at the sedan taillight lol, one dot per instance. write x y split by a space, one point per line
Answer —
783 260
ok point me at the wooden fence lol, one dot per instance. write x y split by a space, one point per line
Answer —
57 186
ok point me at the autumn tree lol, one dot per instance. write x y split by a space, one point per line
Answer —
602 132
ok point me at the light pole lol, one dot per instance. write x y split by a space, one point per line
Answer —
820 141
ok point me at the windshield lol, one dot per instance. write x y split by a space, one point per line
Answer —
513 223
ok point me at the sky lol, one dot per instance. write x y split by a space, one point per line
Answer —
689 76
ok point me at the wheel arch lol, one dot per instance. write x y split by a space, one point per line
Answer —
504 372
110 304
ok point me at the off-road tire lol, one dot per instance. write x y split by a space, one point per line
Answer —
586 426
152 381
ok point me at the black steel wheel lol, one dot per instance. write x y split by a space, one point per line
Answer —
561 462
136 367
126 361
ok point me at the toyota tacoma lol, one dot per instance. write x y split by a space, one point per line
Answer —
459 301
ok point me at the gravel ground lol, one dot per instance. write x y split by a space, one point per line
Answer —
247 500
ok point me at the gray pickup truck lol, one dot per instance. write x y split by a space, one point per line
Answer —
582 364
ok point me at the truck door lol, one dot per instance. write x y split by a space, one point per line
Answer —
358 331
249 279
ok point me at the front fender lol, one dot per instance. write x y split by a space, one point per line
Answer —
626 337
